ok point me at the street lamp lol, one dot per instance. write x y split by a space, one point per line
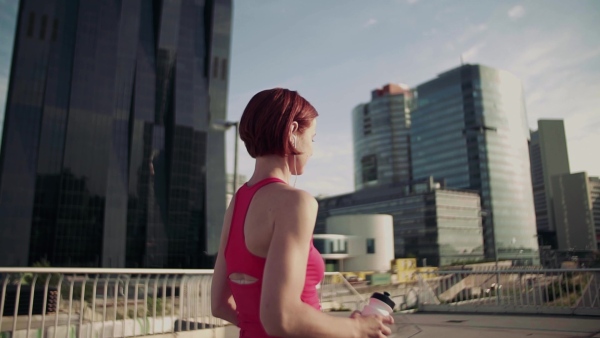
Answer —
224 126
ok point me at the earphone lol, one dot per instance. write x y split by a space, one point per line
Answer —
295 170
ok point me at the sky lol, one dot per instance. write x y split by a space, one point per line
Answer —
335 52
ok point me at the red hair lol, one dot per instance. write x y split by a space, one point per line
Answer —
266 121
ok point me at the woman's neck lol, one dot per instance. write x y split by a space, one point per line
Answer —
270 166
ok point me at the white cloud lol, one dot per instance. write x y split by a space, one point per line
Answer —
540 57
516 12
472 52
411 2
370 22
471 32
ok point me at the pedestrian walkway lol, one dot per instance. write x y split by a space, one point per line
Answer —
430 325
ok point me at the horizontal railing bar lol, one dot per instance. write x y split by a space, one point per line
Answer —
507 271
78 271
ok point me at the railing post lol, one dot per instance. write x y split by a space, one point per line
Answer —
35 276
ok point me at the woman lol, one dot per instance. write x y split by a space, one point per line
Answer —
267 269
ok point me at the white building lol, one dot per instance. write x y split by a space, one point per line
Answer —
357 242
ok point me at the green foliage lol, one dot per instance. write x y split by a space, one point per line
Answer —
568 287
151 302
88 292
27 279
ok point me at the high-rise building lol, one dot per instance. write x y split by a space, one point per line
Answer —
435 225
595 201
8 26
549 157
576 200
381 138
469 128
108 158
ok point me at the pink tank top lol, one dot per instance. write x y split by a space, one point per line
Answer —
239 259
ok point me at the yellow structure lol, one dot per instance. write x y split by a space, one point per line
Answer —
405 264
406 270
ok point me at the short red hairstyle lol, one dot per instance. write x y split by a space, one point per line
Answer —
266 121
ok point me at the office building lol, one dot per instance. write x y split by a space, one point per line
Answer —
469 128
381 138
595 201
549 157
8 26
436 225
357 243
576 204
108 158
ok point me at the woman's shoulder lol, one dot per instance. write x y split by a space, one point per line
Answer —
290 197
294 210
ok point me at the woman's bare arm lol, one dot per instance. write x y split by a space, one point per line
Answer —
282 313
222 302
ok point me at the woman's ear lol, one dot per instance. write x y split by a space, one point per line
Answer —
294 128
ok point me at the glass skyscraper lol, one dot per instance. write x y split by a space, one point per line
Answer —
576 202
8 23
382 139
108 158
469 129
549 157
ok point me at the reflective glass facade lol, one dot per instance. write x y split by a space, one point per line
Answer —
574 199
8 25
594 183
108 158
441 226
381 138
468 128
549 157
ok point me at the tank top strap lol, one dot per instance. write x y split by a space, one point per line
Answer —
236 239
264 182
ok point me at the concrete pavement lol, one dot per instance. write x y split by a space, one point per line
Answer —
430 325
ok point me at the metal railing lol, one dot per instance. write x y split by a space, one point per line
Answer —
556 291
336 293
72 302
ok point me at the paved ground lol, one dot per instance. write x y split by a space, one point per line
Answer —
429 325
432 325
425 325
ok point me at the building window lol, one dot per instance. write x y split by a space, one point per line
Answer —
367 126
369 168
370 245
54 29
43 28
215 67
31 24
366 121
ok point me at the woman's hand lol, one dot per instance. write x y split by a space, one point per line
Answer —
373 326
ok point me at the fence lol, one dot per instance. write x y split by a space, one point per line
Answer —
559 291
56 302
70 302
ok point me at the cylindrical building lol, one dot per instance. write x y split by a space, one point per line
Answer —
370 243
